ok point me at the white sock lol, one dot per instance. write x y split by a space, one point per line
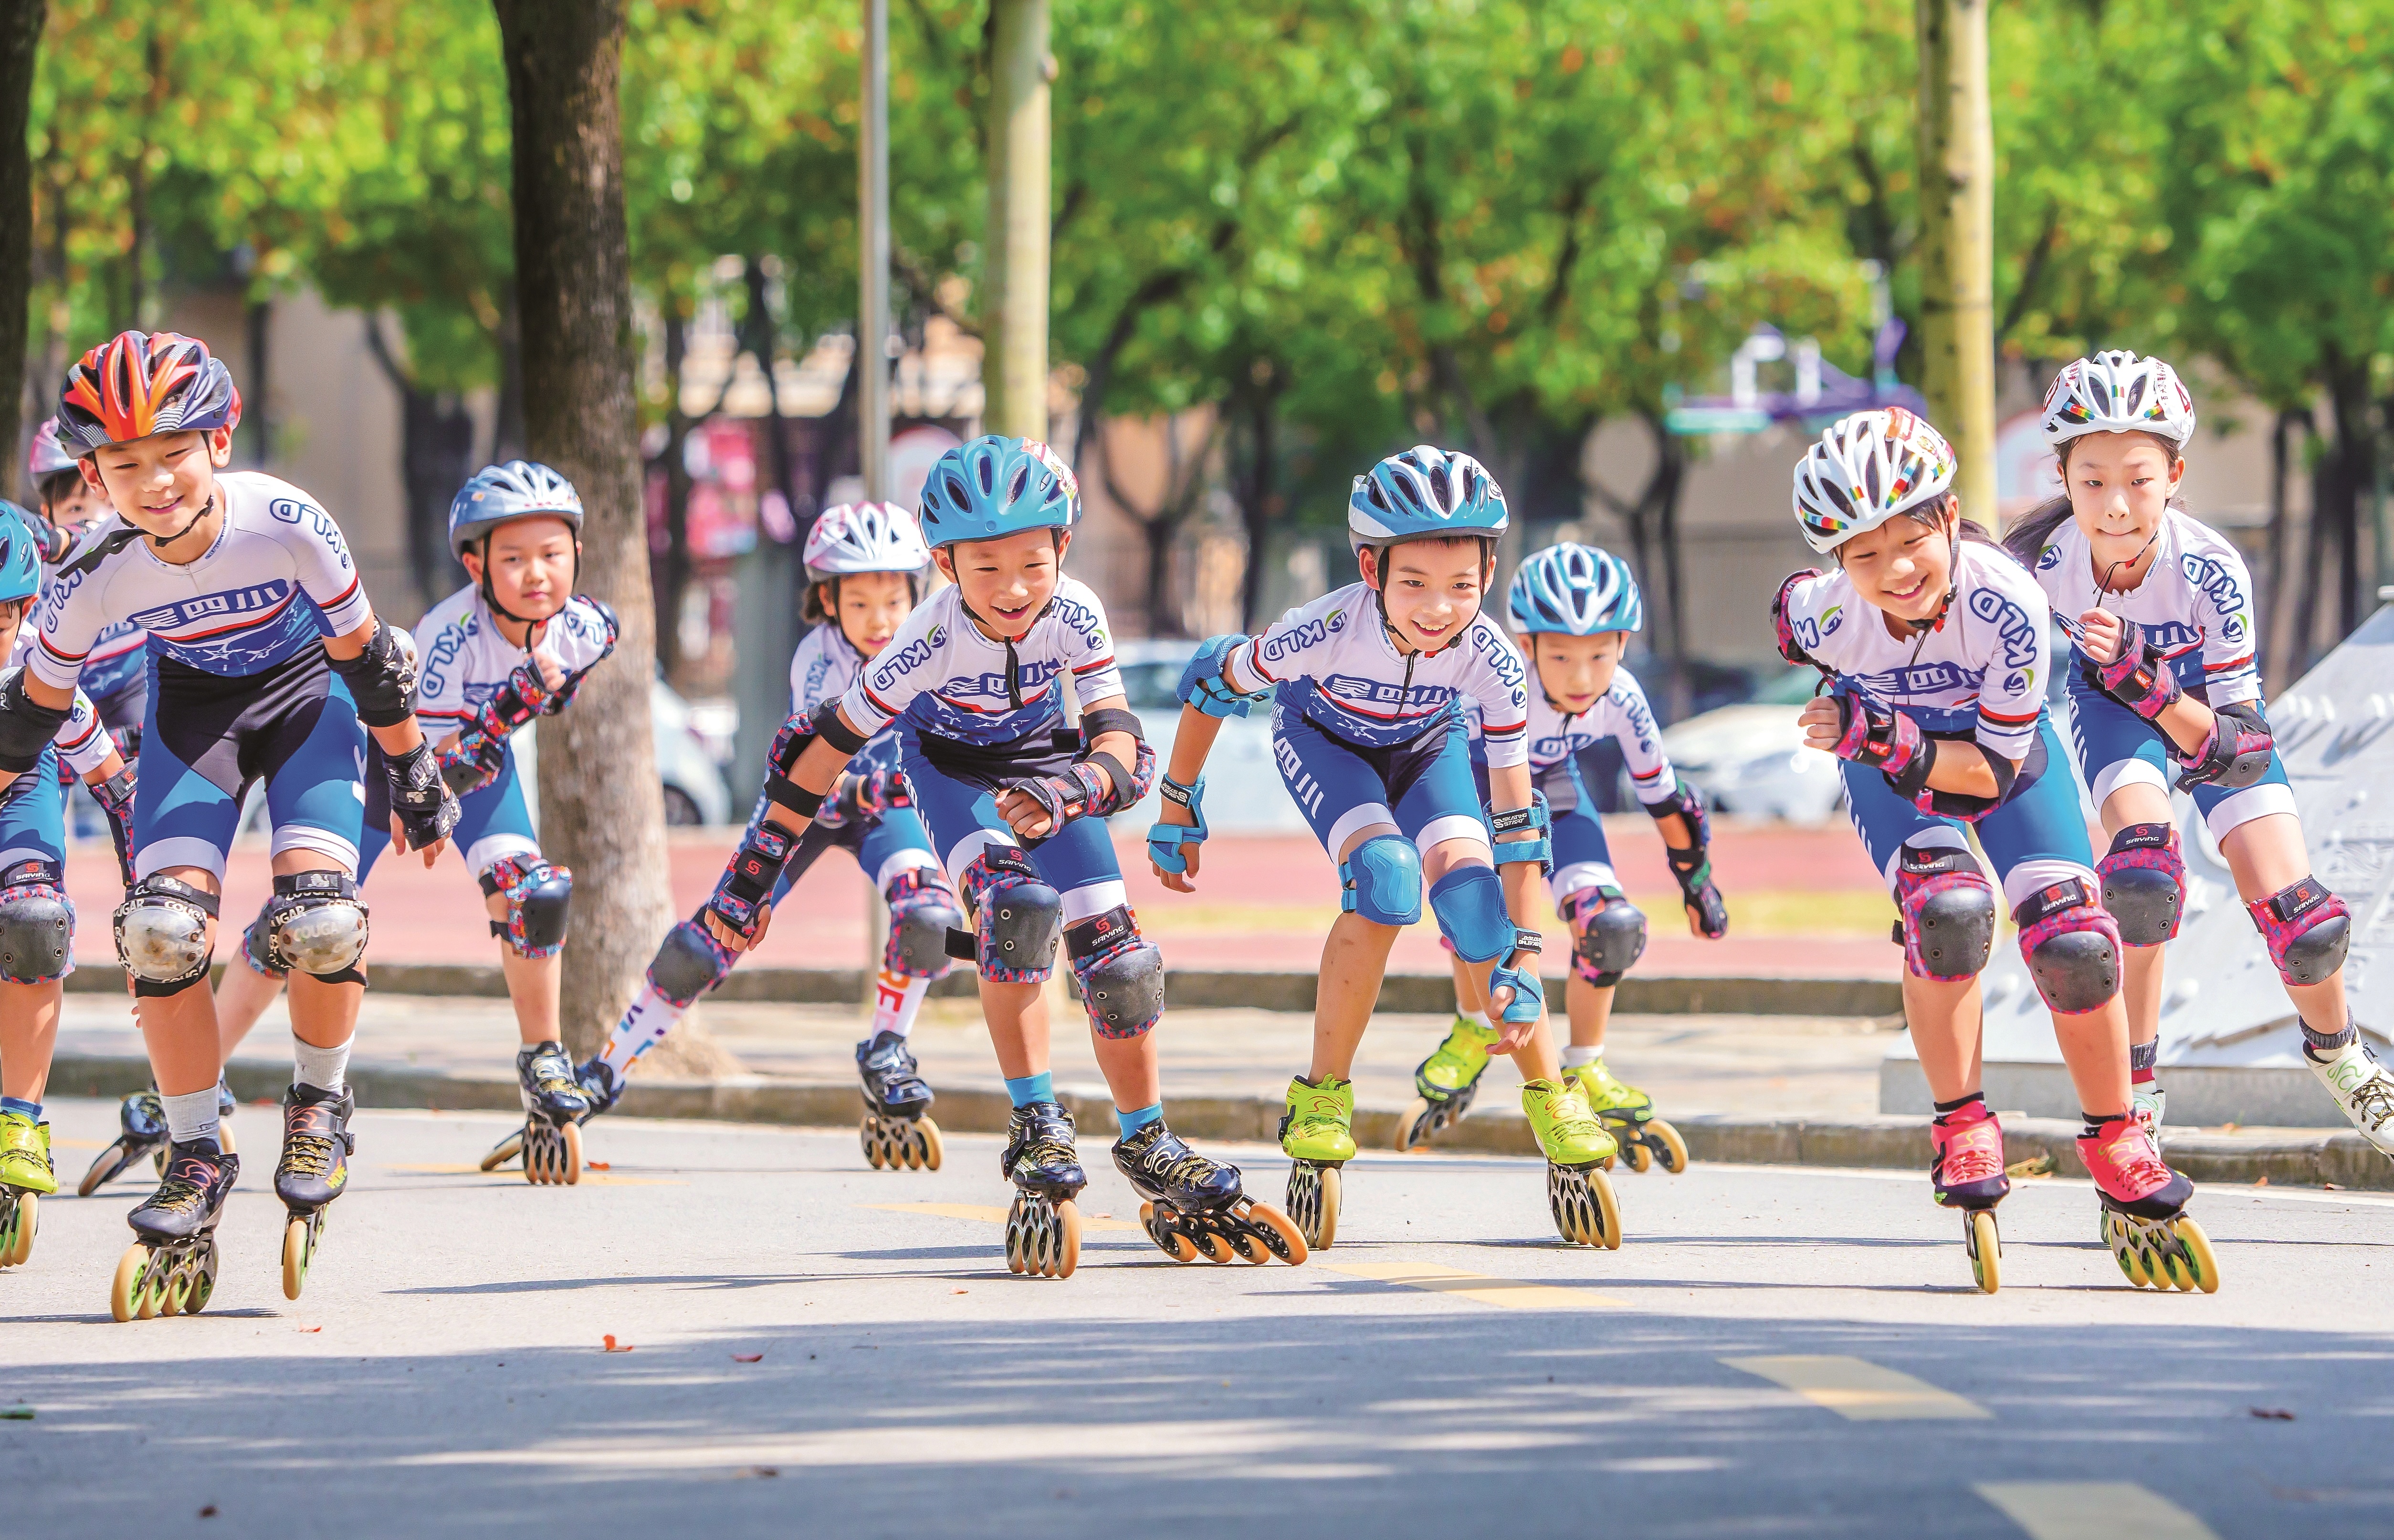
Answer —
192 1115
1574 1057
895 999
324 1069
1477 1017
643 1027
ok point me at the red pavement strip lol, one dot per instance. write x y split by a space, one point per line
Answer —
435 917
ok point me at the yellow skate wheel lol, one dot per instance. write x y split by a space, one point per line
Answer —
1986 1250
1417 1117
1215 1248
98 1170
1182 1248
224 1138
1252 1249
909 1146
1675 1149
1014 1261
1066 1250
1314 1199
1280 1237
928 1132
2200 1261
570 1134
17 1241
298 1250
124 1294
1642 1160
177 1287
1608 1211
204 1281
868 1134
504 1150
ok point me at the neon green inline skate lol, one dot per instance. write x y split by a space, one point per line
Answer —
27 1176
1627 1114
1446 1082
1577 1148
1318 1134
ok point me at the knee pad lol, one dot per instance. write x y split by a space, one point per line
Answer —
1021 917
162 935
2306 928
538 897
316 924
2144 883
2071 945
1470 906
256 943
1382 881
922 911
1121 977
1608 935
1946 913
689 963
36 923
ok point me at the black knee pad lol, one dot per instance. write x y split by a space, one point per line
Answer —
688 964
1613 940
1121 976
37 924
2144 883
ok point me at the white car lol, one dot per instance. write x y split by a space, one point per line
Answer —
1751 759
1243 792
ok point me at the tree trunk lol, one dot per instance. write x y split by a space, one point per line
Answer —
1671 479
765 342
602 810
1014 247
1958 250
1254 482
672 579
20 41
2272 625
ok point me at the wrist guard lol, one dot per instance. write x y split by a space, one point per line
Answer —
1204 685
1165 840
2236 752
1540 849
747 883
423 803
2138 679
610 629
1684 801
1693 870
115 798
381 678
1887 741
1529 991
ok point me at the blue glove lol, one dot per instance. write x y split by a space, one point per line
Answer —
1529 991
1165 840
1204 686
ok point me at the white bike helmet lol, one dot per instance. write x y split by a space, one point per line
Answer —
1867 467
865 537
2118 392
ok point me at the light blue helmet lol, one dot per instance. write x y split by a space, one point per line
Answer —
521 489
1578 590
1425 493
21 552
995 486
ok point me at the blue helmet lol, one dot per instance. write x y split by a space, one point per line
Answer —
996 486
1578 590
21 542
1425 493
521 489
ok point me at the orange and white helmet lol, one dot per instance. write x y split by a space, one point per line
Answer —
1865 468
144 383
2118 392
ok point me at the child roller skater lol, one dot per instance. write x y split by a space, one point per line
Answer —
1934 646
1573 609
511 646
36 918
265 662
865 564
974 677
1366 728
2163 630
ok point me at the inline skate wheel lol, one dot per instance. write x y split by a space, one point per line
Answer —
926 1143
204 1281
125 1295
1642 1160
1674 1153
1274 1231
300 1237
1986 1248
552 1153
877 1149
18 1218
504 1150
1253 1248
1414 1129
1584 1210
2202 1267
1167 1238
103 1166
1043 1236
1215 1248
1313 1202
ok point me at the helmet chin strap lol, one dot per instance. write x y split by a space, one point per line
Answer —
490 596
189 524
1013 662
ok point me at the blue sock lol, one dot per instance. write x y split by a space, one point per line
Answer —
18 1104
1134 1121
1031 1087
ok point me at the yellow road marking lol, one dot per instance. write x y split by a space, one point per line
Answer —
78 1144
2093 1510
1513 1294
994 1216
589 1178
1858 1389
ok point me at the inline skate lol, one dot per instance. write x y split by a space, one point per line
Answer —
1966 1172
601 1087
1194 1207
142 1121
1445 1083
2144 1219
2361 1085
1317 1132
27 1176
1043 1228
313 1171
555 1107
1576 1148
895 1131
171 1268
1627 1114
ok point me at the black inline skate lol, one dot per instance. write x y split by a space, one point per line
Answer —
142 1121
1043 1228
1194 1206
555 1107
171 1268
894 1130
313 1171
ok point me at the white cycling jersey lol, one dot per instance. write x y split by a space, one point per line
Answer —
946 678
462 657
1981 673
1620 714
83 741
1333 661
823 668
119 653
277 579
2195 604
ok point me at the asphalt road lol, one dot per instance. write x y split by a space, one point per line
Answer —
817 1349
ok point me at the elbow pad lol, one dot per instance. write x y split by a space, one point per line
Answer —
26 726
1789 648
2236 755
381 679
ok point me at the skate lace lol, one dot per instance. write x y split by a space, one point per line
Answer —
1974 1156
1570 1116
2132 1157
554 1072
184 1187
306 1150
1174 1164
2373 1100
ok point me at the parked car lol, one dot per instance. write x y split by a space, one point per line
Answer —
1243 792
1750 759
694 788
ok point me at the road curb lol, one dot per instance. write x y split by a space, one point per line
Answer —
1187 989
2295 1158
